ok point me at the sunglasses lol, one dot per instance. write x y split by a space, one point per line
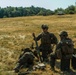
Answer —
44 28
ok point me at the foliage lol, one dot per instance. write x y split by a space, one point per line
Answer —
31 11
59 11
20 11
70 10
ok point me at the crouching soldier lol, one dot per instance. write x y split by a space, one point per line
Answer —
26 59
64 51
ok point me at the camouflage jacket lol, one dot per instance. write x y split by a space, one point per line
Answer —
60 47
47 38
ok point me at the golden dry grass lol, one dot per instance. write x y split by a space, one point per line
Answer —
16 33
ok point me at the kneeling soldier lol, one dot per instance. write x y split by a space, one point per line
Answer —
26 59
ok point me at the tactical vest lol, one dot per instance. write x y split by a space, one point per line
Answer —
45 39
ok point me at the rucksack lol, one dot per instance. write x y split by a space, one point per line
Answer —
67 46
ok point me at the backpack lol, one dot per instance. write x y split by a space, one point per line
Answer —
67 46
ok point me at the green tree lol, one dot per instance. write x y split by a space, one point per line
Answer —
70 10
59 11
1 12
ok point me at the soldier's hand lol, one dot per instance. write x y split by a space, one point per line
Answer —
33 34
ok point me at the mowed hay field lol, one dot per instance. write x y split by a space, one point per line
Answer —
16 33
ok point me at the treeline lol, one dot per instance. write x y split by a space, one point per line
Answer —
31 11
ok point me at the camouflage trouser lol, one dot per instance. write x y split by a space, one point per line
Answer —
18 67
73 62
25 61
24 65
53 58
65 64
46 50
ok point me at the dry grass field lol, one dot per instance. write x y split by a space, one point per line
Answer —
16 33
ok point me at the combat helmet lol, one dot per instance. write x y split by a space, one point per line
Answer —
63 33
44 26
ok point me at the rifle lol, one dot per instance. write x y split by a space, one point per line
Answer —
37 48
24 73
38 66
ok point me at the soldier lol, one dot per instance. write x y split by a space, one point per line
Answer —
26 59
47 39
64 51
73 60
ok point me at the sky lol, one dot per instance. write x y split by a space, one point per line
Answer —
48 4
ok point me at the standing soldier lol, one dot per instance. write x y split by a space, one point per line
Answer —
47 39
64 51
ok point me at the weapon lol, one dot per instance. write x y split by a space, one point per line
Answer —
40 66
24 73
38 51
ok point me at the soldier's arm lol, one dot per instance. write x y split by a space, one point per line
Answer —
38 37
58 46
54 39
21 58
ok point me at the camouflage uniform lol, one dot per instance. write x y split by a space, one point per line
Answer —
26 59
46 40
65 62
